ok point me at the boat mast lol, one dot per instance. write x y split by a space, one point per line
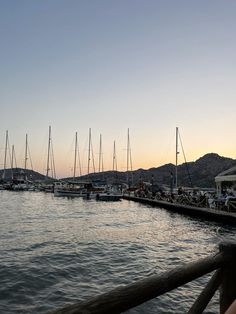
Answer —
50 157
12 154
12 161
5 157
92 156
75 160
53 162
128 155
100 154
176 157
114 166
26 150
49 148
27 154
89 151
78 151
185 161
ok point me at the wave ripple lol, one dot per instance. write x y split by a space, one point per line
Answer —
56 251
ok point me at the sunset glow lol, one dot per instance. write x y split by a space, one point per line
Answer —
112 65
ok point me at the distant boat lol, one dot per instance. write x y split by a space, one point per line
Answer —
113 193
20 182
77 189
70 189
76 156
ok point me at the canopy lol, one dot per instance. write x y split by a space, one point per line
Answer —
225 176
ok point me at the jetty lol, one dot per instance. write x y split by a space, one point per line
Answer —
194 211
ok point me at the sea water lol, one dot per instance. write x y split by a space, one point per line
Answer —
56 251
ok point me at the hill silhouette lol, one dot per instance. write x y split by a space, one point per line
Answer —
199 173
31 175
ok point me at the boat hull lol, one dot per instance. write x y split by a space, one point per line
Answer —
108 197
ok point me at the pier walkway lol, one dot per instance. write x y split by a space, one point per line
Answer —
200 212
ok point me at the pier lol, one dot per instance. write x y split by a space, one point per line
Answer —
126 297
194 211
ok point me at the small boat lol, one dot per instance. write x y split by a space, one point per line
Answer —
93 190
69 189
112 194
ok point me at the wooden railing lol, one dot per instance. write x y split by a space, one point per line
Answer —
124 298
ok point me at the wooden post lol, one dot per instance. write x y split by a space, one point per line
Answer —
207 293
228 285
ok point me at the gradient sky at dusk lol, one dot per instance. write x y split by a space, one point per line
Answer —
112 65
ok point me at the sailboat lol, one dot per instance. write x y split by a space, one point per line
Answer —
50 158
12 182
5 157
94 188
4 185
48 185
129 169
72 188
27 157
18 176
178 138
16 181
113 191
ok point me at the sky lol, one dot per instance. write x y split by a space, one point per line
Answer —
146 65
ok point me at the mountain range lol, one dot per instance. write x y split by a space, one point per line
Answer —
199 173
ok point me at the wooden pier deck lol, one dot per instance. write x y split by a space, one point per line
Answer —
200 212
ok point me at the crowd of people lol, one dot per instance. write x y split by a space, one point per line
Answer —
193 197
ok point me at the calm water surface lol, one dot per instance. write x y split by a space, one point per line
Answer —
56 251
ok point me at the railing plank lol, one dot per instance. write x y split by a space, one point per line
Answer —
207 293
123 298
